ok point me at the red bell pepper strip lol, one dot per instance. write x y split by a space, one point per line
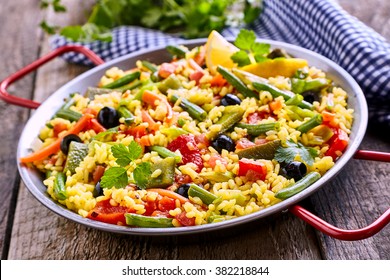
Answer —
337 144
252 169
106 213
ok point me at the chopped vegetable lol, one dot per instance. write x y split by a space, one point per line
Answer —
292 150
253 170
193 110
144 221
123 80
257 129
55 146
204 195
236 82
263 151
337 144
299 186
77 153
231 115
59 186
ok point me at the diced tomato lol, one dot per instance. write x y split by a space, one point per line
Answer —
184 221
244 143
252 169
150 207
260 141
182 179
200 56
218 81
166 69
213 160
202 141
189 150
166 204
257 116
106 213
337 144
98 173
137 131
58 128
196 76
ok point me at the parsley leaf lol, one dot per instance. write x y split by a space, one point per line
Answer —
114 177
124 155
250 50
288 154
141 174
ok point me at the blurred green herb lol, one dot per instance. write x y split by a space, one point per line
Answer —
187 18
250 50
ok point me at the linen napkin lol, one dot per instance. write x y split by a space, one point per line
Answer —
319 25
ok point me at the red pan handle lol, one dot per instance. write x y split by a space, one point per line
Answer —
34 66
345 234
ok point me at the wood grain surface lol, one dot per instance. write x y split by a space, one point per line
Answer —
30 231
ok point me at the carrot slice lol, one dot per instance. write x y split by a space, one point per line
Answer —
55 146
170 194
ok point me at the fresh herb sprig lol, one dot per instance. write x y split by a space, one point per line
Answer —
187 18
125 155
292 149
250 51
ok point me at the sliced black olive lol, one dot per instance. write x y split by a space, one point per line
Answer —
64 146
278 53
295 169
108 117
230 99
98 190
223 142
311 96
183 190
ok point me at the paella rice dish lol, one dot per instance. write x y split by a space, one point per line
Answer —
220 131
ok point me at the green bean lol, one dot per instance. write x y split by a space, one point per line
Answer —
295 100
164 152
303 113
150 66
123 80
313 122
93 91
147 221
231 115
193 110
204 195
131 86
264 151
299 186
172 82
275 92
68 102
68 114
126 114
217 176
299 86
177 51
59 186
257 129
236 82
173 131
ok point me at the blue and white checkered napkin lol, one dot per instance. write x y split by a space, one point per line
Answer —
321 26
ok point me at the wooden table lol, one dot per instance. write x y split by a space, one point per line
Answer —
28 230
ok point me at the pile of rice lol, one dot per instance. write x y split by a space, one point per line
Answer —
258 195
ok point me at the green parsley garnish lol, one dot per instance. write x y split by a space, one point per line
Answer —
292 149
125 155
250 51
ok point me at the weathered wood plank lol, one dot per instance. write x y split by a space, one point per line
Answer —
360 193
22 46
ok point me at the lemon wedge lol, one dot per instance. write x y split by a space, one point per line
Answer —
285 67
218 52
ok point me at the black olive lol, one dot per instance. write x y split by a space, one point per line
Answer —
98 190
223 142
65 142
278 53
230 99
295 169
183 190
310 96
108 117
